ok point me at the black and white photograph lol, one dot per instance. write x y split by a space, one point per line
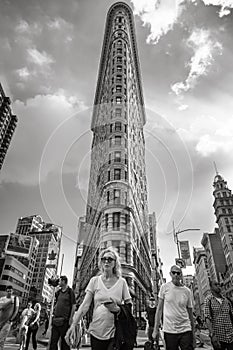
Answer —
116 177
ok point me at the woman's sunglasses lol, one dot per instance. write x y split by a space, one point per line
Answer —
107 259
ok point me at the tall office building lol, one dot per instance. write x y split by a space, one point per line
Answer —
50 236
214 253
8 123
223 206
117 213
39 271
29 223
202 273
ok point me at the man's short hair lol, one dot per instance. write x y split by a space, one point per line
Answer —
64 278
9 287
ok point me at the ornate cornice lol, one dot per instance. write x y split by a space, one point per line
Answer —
105 51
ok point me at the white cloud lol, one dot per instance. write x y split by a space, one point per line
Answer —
225 5
160 16
182 107
210 134
58 23
205 48
39 58
23 73
29 29
22 26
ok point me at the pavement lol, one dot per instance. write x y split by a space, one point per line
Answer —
141 339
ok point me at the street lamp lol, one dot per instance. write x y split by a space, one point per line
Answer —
176 233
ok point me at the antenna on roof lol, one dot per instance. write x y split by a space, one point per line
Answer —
215 168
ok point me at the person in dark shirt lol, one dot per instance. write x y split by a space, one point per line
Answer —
62 315
150 313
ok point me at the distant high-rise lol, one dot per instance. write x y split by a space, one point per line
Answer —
214 253
29 223
223 206
117 213
8 123
46 234
202 273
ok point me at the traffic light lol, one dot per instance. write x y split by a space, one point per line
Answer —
181 263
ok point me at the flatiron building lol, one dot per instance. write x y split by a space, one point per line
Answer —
117 210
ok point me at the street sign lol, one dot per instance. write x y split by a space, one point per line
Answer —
185 253
181 263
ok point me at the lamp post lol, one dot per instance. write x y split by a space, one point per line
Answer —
176 234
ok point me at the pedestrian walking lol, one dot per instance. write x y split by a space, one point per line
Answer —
23 328
33 326
150 315
108 290
175 303
218 313
9 307
46 323
64 309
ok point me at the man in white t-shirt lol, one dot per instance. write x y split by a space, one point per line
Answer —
175 302
9 307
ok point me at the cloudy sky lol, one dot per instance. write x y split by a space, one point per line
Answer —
49 61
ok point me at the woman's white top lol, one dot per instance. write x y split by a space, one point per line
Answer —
102 325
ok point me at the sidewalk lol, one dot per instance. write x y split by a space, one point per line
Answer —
141 339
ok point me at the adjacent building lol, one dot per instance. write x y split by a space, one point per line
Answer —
214 254
43 270
28 224
13 273
31 255
202 274
117 210
8 122
223 210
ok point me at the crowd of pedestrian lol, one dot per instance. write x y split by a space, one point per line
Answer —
170 318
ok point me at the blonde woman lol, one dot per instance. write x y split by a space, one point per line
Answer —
33 326
108 290
24 318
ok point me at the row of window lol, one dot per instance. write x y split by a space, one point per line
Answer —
117 219
117 174
119 51
116 157
115 197
13 269
119 69
119 89
119 79
13 280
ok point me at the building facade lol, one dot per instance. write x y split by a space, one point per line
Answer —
42 272
214 254
28 224
13 273
202 274
8 123
117 213
223 210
